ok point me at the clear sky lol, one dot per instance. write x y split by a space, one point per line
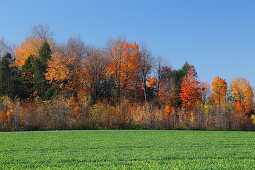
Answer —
217 36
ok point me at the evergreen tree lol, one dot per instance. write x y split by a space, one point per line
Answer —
9 79
33 72
44 56
30 75
180 73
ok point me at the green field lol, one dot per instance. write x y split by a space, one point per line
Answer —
127 149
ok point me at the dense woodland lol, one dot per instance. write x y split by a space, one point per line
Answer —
46 85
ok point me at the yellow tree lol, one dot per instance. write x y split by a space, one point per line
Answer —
64 71
243 94
57 70
29 47
219 88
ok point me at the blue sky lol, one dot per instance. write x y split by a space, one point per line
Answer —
217 36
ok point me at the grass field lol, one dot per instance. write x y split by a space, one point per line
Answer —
120 149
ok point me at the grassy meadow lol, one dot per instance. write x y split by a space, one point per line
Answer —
127 149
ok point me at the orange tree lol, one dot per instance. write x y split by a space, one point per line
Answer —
243 95
123 69
219 88
189 90
29 47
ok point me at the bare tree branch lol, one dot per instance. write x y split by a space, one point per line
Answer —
41 31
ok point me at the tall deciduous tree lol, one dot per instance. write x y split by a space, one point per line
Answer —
204 89
145 67
57 71
65 67
243 94
219 88
167 87
94 78
124 69
189 89
41 32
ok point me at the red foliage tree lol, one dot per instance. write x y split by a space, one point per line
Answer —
189 90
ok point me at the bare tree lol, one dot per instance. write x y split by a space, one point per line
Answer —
75 47
41 31
95 73
145 65
158 70
5 47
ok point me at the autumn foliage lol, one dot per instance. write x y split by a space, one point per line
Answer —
243 95
27 48
219 87
72 85
123 68
152 81
189 90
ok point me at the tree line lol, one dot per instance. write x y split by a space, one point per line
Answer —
47 85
